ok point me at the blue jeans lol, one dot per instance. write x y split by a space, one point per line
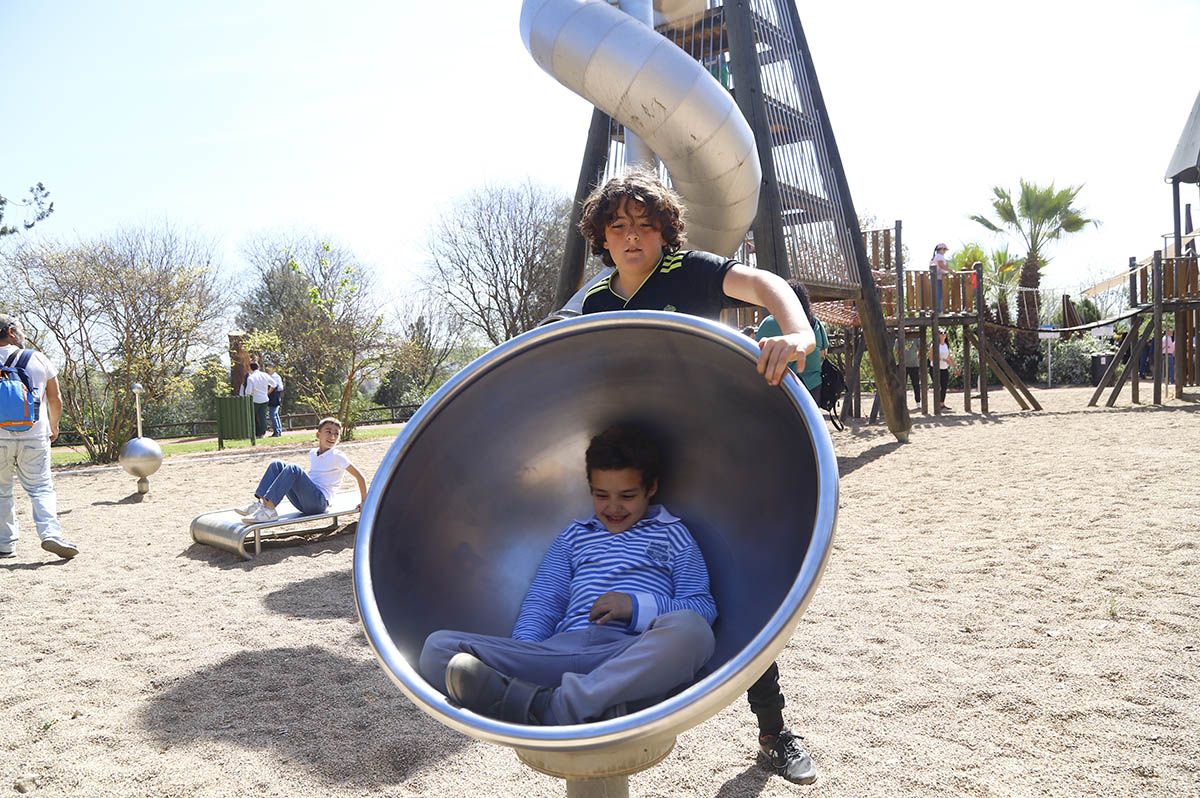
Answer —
590 669
29 460
291 481
276 427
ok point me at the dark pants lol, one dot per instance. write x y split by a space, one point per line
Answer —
943 381
260 419
766 701
914 376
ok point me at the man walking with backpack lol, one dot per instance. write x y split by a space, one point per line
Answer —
30 407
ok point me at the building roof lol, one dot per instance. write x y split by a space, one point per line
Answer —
1185 163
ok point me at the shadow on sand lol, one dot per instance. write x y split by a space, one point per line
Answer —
308 708
328 597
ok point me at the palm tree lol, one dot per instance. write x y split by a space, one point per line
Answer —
1041 214
1001 271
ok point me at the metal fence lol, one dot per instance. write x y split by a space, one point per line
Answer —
207 428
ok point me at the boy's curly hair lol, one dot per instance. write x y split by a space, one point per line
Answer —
663 206
625 446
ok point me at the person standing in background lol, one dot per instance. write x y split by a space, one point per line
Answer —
274 398
27 452
256 387
941 269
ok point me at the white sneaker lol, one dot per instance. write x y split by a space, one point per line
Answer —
262 515
60 547
8 551
248 509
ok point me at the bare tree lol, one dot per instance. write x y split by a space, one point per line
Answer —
495 257
127 308
425 352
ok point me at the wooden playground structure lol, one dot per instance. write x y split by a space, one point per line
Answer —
1165 285
908 300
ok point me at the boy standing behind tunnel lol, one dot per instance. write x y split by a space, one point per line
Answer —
635 223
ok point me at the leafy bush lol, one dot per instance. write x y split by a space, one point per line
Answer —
1072 360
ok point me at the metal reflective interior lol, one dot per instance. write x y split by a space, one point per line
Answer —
480 482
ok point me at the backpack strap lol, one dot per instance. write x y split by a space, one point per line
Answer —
22 363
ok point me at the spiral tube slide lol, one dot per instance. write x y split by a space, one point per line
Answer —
663 96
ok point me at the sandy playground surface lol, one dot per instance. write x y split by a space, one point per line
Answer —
1012 607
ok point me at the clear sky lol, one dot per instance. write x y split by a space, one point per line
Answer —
363 120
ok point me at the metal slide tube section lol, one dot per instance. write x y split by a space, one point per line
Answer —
636 151
480 481
665 98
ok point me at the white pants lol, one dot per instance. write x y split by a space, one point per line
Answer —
30 459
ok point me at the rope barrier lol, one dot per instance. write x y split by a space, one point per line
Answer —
1078 328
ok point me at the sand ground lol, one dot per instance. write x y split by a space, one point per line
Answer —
1012 607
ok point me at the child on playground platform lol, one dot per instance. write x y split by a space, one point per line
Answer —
636 224
309 492
618 612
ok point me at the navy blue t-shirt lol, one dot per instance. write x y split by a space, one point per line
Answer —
685 281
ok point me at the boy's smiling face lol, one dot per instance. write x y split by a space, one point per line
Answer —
633 239
619 497
328 437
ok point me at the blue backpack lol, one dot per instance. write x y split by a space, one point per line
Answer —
19 403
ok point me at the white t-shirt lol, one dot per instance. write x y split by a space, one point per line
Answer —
276 381
40 371
257 385
326 470
944 356
939 261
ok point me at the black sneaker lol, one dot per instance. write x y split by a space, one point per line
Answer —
787 756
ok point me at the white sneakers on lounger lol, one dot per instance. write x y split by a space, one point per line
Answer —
248 509
262 515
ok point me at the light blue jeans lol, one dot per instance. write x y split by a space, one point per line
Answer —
29 459
590 670
291 481
276 426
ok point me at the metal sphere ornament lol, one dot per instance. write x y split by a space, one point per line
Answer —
140 456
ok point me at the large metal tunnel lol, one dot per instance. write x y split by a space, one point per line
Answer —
485 475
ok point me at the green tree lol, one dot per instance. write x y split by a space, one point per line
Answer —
1039 216
38 196
319 302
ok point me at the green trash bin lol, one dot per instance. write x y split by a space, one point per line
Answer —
235 419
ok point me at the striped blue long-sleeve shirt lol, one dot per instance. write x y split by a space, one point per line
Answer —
656 561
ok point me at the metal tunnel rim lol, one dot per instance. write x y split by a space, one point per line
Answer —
679 712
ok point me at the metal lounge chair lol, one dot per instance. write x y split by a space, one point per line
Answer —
225 529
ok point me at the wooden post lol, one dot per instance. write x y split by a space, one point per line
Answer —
1138 346
1133 292
966 373
575 250
981 333
1181 274
901 375
1135 359
924 369
935 342
1156 341
1109 372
